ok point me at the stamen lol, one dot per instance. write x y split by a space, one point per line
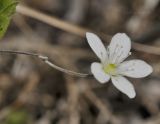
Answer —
107 57
109 54
119 54
101 54
113 55
118 57
102 61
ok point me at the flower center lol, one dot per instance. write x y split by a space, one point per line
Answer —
110 69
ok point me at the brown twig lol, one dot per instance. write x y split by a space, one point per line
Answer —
73 97
53 21
74 29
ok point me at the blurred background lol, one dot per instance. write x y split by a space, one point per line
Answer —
31 92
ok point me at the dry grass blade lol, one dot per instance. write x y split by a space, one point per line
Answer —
74 29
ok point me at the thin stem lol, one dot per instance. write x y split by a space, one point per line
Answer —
46 60
18 52
64 70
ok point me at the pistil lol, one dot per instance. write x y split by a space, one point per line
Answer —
110 69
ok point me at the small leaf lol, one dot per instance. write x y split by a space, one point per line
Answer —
7 8
4 22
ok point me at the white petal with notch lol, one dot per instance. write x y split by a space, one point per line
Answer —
119 48
122 84
135 68
97 46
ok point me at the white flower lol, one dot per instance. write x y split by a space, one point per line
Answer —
112 65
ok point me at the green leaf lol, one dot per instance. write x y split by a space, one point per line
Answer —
4 22
7 8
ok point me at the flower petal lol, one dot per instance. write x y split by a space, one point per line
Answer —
135 68
97 46
119 48
124 86
99 74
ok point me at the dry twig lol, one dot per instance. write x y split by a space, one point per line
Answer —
77 30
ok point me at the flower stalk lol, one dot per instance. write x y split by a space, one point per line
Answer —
47 61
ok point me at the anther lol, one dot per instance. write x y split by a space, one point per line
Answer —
101 54
117 48
119 56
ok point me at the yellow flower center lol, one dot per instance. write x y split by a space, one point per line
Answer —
110 69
